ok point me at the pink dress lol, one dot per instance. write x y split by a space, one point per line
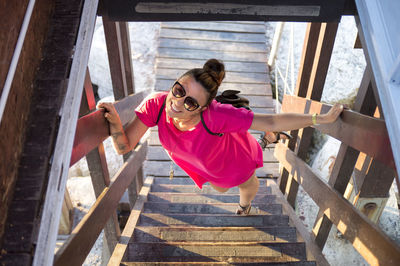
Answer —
226 161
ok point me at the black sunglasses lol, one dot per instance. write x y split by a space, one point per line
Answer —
189 103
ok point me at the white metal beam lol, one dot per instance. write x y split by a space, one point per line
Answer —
379 24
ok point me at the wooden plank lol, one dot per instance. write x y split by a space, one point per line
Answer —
119 57
213 36
58 171
128 10
224 234
213 45
233 77
365 236
207 54
353 129
248 89
161 168
373 179
119 251
307 58
214 26
238 253
320 66
92 129
206 220
79 244
97 164
301 229
186 64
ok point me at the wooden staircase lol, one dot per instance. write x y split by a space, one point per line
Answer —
181 224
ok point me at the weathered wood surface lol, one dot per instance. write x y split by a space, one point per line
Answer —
213 35
215 208
200 251
211 45
98 169
353 129
79 244
120 249
206 54
119 57
365 236
66 117
208 234
222 11
217 26
301 229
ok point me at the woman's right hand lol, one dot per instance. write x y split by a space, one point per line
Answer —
110 113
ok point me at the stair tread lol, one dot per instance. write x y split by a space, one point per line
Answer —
155 219
234 252
204 198
162 234
214 208
296 263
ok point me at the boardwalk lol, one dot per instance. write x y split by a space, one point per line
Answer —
242 48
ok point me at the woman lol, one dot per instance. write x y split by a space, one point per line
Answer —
224 161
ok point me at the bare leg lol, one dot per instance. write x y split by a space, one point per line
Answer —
248 190
219 189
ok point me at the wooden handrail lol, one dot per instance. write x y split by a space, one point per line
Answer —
77 247
120 250
92 129
365 236
364 133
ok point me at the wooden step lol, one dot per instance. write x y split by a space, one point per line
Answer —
205 198
155 219
205 190
220 234
217 251
215 208
291 263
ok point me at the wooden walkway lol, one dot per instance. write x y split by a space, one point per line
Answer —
242 48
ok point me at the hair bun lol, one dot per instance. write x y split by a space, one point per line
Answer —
216 69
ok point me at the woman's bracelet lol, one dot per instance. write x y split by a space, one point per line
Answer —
314 118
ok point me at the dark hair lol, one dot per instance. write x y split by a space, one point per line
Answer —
210 76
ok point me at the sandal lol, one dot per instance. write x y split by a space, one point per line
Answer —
243 210
264 142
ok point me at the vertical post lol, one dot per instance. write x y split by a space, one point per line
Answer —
303 78
119 57
97 164
120 60
311 87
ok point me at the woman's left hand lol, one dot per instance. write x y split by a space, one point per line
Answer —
331 116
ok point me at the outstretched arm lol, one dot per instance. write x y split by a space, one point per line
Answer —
292 121
123 140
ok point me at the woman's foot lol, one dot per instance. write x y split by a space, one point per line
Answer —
243 210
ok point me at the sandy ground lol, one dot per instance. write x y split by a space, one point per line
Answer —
344 77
